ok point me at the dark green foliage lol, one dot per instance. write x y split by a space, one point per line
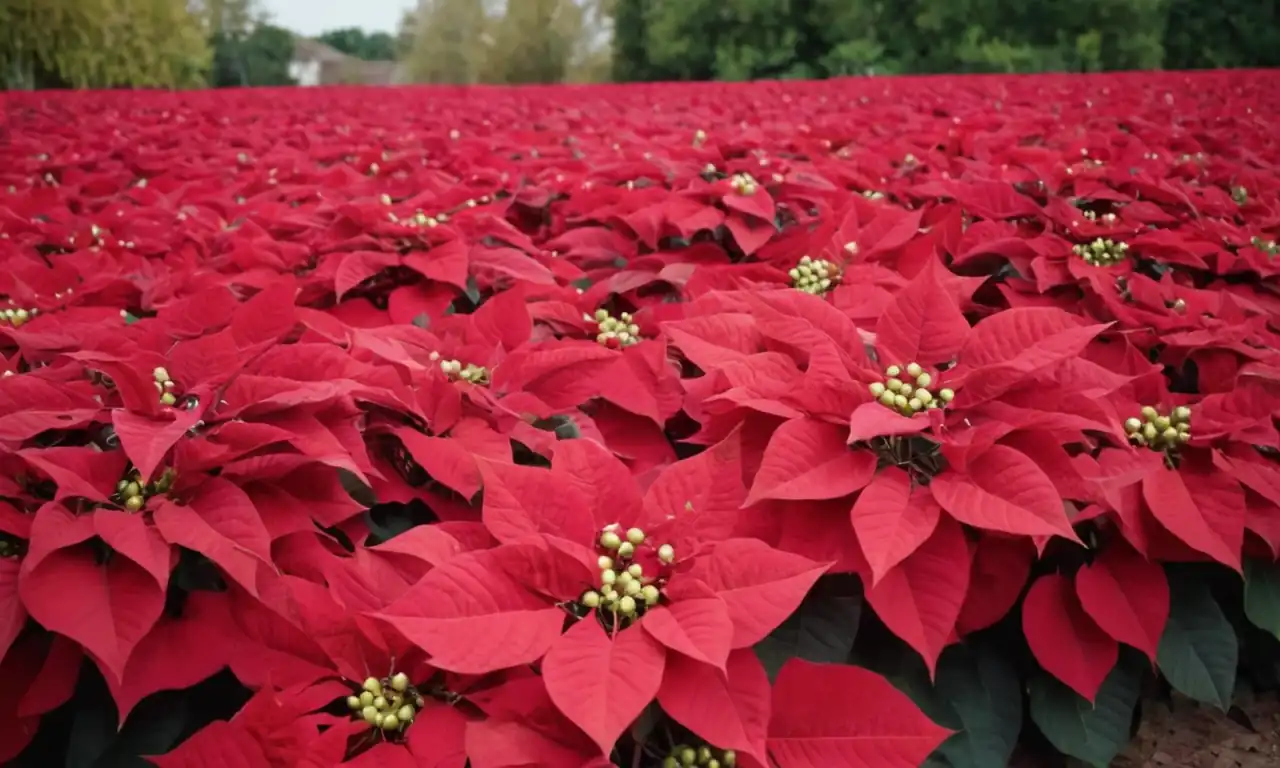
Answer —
353 41
745 39
259 57
1229 33
84 733
630 46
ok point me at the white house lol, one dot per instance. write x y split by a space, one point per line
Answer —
315 63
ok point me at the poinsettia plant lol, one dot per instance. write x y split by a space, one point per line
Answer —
736 429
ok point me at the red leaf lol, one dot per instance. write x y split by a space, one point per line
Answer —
643 382
1003 490
447 461
267 317
999 572
832 714
892 520
697 626
557 569
1202 507
808 459
446 262
524 728
1064 639
698 498
221 523
177 653
603 683
520 501
130 535
1127 596
994 200
996 378
923 323
56 681
435 544
358 266
920 598
761 586
759 204
219 745
146 441
728 708
508 744
891 228
108 609
438 738
749 232
875 420
1003 336
602 478
471 617
508 262
78 471
710 341
21 668
13 617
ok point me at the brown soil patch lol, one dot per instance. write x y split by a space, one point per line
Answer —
1186 734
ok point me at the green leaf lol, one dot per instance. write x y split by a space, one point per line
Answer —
1262 594
473 290
93 726
822 631
356 488
1093 733
983 690
387 521
907 672
153 728
568 430
1198 652
421 320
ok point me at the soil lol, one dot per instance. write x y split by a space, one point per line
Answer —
1186 734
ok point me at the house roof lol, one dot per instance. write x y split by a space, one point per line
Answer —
338 67
307 49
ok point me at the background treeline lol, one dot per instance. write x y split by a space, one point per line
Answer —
140 44
743 39
192 43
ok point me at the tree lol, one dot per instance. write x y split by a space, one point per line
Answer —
1228 33
259 57
353 41
406 31
535 41
738 39
450 42
592 58
630 42
247 49
101 44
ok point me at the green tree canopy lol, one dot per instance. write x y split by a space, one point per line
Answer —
353 41
534 41
259 57
101 44
450 42
740 39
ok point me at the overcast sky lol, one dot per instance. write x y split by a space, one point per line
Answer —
311 17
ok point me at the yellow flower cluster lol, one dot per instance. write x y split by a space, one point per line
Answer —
910 394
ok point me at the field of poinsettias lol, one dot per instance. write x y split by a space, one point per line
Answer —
868 423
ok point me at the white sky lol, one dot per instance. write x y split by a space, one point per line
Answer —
311 17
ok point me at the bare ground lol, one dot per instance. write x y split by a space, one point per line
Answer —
1186 734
